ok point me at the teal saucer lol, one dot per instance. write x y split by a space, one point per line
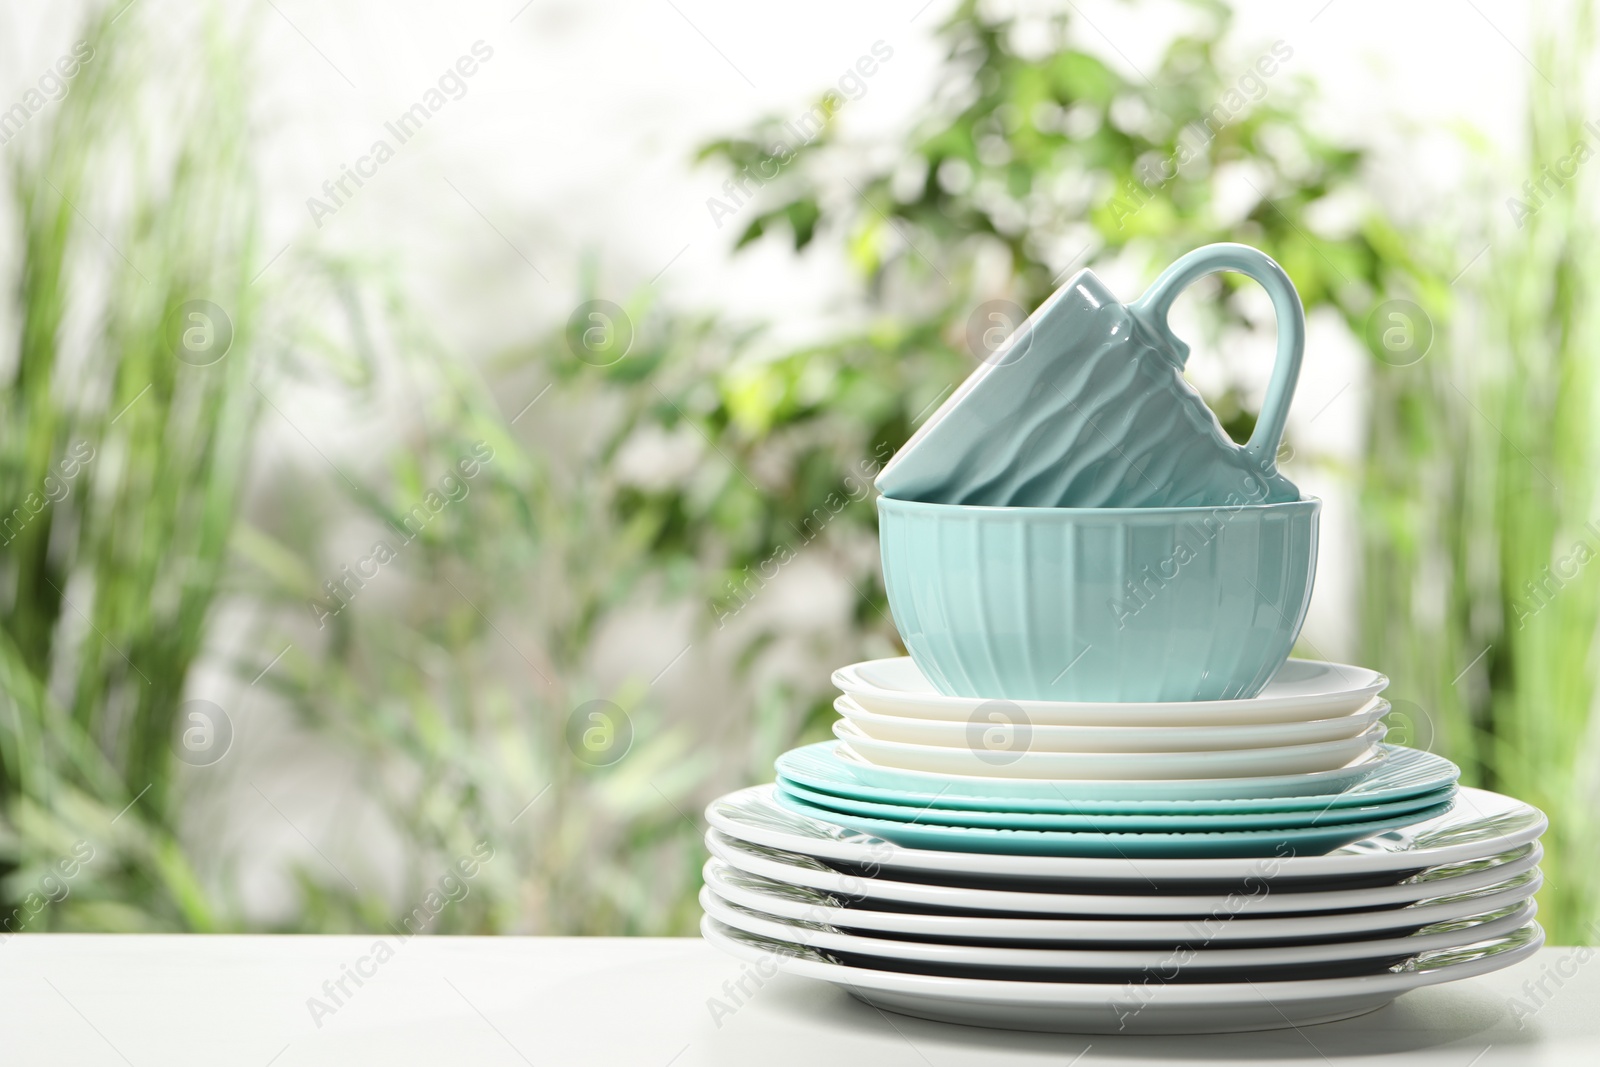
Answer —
1116 823
1394 773
1273 844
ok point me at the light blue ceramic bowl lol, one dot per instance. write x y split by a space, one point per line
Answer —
1099 604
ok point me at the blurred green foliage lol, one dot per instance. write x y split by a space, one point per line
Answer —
446 680
1478 495
121 468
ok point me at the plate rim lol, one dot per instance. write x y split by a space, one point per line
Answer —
888 854
730 854
851 672
1373 763
1234 927
1373 710
1058 994
1367 740
1516 916
1132 838
1110 820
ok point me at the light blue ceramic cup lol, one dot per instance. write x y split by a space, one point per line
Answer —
1086 406
1099 604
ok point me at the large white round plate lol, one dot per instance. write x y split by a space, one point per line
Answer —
788 868
1389 773
1013 725
1256 963
1234 925
1142 1008
1023 762
1481 824
1302 689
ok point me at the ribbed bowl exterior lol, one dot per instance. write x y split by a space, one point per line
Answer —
1139 604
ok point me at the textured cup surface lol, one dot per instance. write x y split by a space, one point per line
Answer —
1099 604
1086 406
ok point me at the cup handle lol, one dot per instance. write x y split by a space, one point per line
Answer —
1153 306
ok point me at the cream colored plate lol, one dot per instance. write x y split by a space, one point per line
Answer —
1044 738
1007 755
1302 689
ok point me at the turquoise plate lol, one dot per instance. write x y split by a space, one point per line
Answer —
1395 773
1309 841
1117 823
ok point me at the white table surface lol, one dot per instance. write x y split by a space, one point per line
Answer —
643 1002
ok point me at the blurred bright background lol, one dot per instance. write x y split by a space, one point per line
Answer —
439 432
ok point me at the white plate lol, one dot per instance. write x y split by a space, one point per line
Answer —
1006 761
1047 738
789 868
1159 959
1482 824
1082 794
1146 1007
1390 772
1302 689
1235 924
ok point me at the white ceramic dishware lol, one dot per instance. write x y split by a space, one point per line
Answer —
1301 690
850 775
1091 898
1234 925
1001 753
948 733
1250 962
1143 1008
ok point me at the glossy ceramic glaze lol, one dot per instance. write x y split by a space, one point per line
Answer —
1240 924
1089 822
1086 406
1046 738
1299 841
1005 754
1174 898
1218 964
1085 604
1301 690
1481 824
1391 773
1127 1009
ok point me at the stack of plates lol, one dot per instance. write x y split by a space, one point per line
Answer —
1152 876
1311 717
